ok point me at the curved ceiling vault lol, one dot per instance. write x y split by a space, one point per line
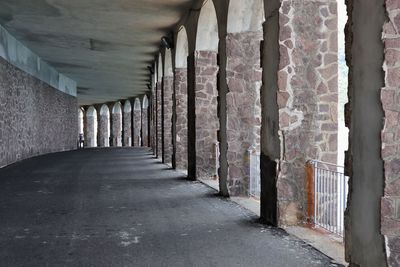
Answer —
105 46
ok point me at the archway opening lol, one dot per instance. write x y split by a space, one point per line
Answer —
159 152
181 99
80 122
206 95
244 79
168 85
145 122
91 127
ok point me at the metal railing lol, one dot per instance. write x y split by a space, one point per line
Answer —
255 176
330 196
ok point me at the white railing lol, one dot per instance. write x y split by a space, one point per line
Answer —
255 177
330 196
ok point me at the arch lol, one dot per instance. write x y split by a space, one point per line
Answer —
159 68
91 112
137 105
104 111
127 106
145 102
168 71
117 109
245 16
207 29
182 49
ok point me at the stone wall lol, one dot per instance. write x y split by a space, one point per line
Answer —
34 117
158 120
207 123
307 97
137 123
145 127
181 118
243 106
103 131
168 105
127 128
390 97
117 129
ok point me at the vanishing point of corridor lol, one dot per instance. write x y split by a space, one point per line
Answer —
121 207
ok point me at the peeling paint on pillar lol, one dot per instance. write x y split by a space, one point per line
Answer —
181 119
244 75
168 83
207 123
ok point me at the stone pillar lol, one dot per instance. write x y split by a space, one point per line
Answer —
181 118
127 127
390 97
104 130
243 106
168 83
137 125
207 123
307 97
145 116
159 120
117 129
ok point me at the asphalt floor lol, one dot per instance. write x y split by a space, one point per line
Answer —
123 207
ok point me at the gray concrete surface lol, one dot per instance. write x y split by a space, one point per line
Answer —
105 46
121 207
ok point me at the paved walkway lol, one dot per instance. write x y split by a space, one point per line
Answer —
121 207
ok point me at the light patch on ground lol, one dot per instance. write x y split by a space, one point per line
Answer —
127 239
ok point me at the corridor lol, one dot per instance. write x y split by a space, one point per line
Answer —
122 207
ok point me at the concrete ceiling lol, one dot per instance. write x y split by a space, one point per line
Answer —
104 45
